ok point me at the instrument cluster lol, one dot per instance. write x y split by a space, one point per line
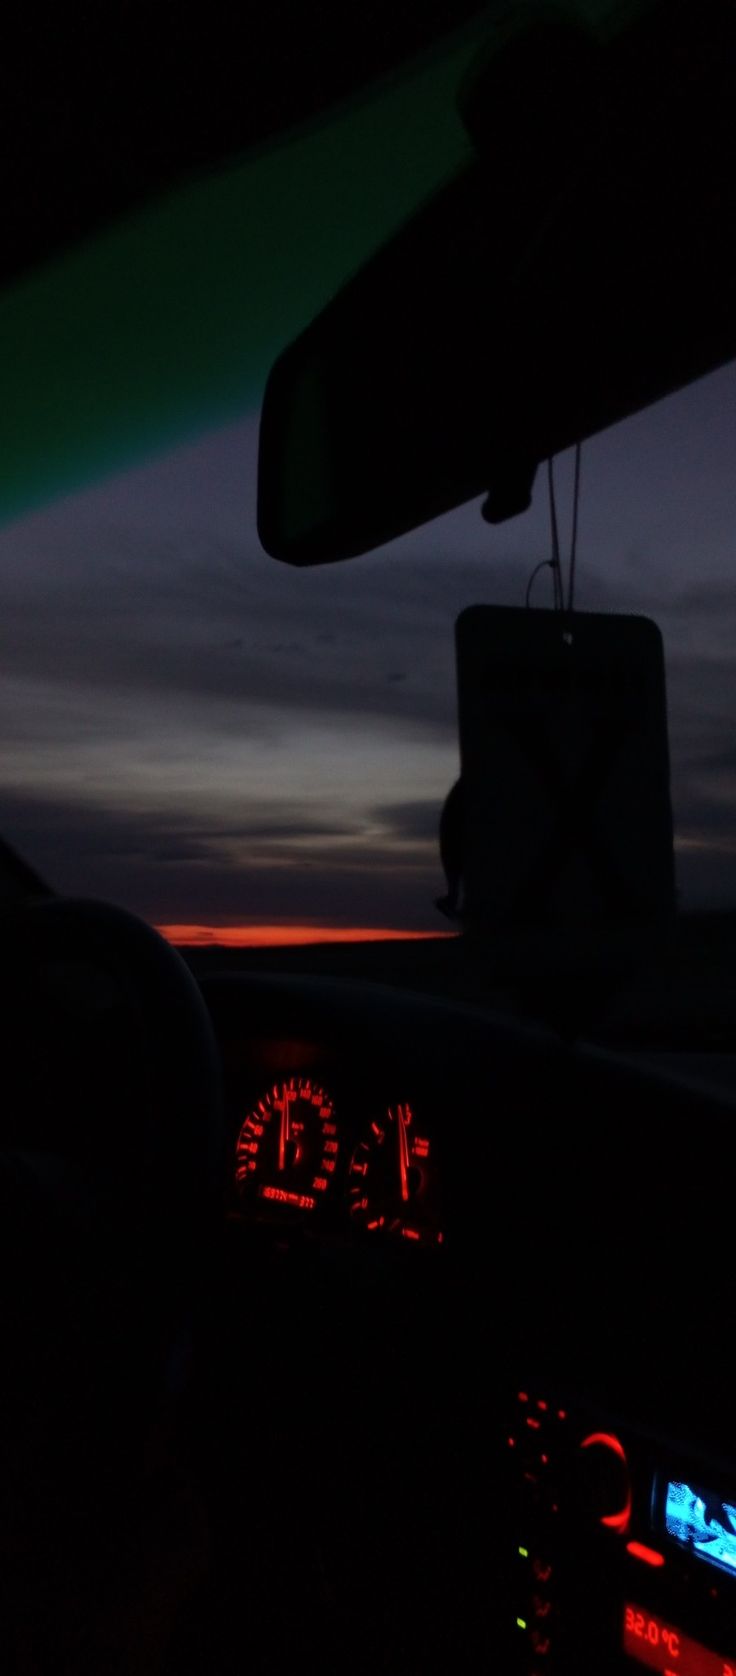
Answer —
316 1154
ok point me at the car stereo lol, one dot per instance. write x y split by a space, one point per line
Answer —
622 1548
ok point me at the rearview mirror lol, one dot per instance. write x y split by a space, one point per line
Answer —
554 287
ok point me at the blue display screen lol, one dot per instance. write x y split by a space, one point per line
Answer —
703 1522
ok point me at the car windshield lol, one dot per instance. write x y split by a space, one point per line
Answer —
353 1314
218 741
240 752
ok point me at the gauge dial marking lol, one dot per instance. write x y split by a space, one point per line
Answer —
392 1187
288 1145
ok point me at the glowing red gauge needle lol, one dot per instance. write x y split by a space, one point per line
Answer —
284 1127
403 1155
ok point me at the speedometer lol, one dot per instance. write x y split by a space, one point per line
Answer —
287 1148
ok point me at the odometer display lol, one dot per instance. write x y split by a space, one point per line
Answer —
287 1149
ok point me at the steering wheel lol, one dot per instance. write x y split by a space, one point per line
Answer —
111 1146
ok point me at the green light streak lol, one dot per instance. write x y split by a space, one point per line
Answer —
166 324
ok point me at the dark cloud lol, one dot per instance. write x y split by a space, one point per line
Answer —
201 615
290 831
249 871
418 822
149 590
708 819
706 875
86 829
705 597
719 763
189 727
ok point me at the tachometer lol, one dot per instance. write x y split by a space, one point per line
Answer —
391 1179
287 1149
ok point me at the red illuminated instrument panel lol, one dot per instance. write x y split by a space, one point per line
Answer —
288 1147
391 1181
661 1646
363 1164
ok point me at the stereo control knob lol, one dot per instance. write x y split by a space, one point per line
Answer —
604 1484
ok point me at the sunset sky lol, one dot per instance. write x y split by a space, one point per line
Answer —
211 738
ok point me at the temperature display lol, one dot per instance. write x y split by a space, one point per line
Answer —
662 1647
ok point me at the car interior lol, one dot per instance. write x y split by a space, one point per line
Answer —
355 1319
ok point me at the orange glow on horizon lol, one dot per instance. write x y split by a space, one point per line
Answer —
287 936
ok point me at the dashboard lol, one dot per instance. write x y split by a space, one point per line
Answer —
338 1126
467 1405
345 1156
340 1339
460 1387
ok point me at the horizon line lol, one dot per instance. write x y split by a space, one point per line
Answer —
288 936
